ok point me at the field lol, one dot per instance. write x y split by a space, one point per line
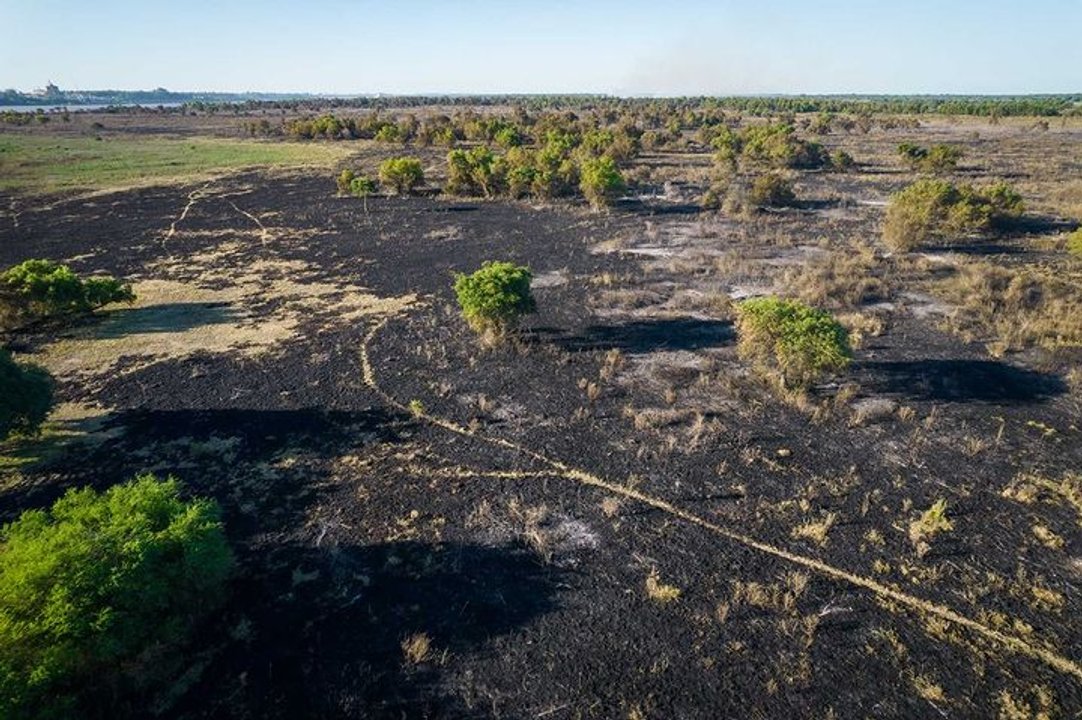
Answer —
612 515
51 164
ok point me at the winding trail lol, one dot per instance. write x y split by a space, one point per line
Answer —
559 468
193 197
14 214
264 233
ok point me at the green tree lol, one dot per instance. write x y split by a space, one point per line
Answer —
96 590
495 297
404 174
362 186
26 396
475 172
939 210
601 181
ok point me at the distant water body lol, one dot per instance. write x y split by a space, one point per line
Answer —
80 108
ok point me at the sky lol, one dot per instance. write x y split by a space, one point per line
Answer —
628 47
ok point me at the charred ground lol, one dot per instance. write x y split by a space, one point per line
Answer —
530 520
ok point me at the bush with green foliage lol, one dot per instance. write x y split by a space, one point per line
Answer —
799 342
38 289
841 161
475 172
939 210
1074 243
96 593
404 174
775 145
601 181
937 159
495 297
343 181
772 190
26 396
362 186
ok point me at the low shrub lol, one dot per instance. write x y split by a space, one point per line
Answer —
495 297
97 590
938 210
343 181
843 280
941 159
26 396
777 145
362 186
841 161
799 342
38 289
601 181
404 174
772 190
937 159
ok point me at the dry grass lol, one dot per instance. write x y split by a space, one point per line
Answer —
1030 488
816 530
658 591
173 319
416 649
1013 309
840 280
932 521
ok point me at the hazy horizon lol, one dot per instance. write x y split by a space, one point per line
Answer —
632 49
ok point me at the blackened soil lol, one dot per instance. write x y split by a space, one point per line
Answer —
359 527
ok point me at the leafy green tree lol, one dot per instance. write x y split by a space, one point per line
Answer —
521 172
778 146
799 342
475 172
362 186
26 396
601 181
389 133
96 591
404 174
495 297
942 159
509 136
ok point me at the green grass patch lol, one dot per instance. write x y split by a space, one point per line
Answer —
42 164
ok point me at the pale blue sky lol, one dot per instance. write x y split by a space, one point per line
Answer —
666 47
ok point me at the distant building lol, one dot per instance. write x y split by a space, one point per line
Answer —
51 92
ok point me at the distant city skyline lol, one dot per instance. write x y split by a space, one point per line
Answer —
632 47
